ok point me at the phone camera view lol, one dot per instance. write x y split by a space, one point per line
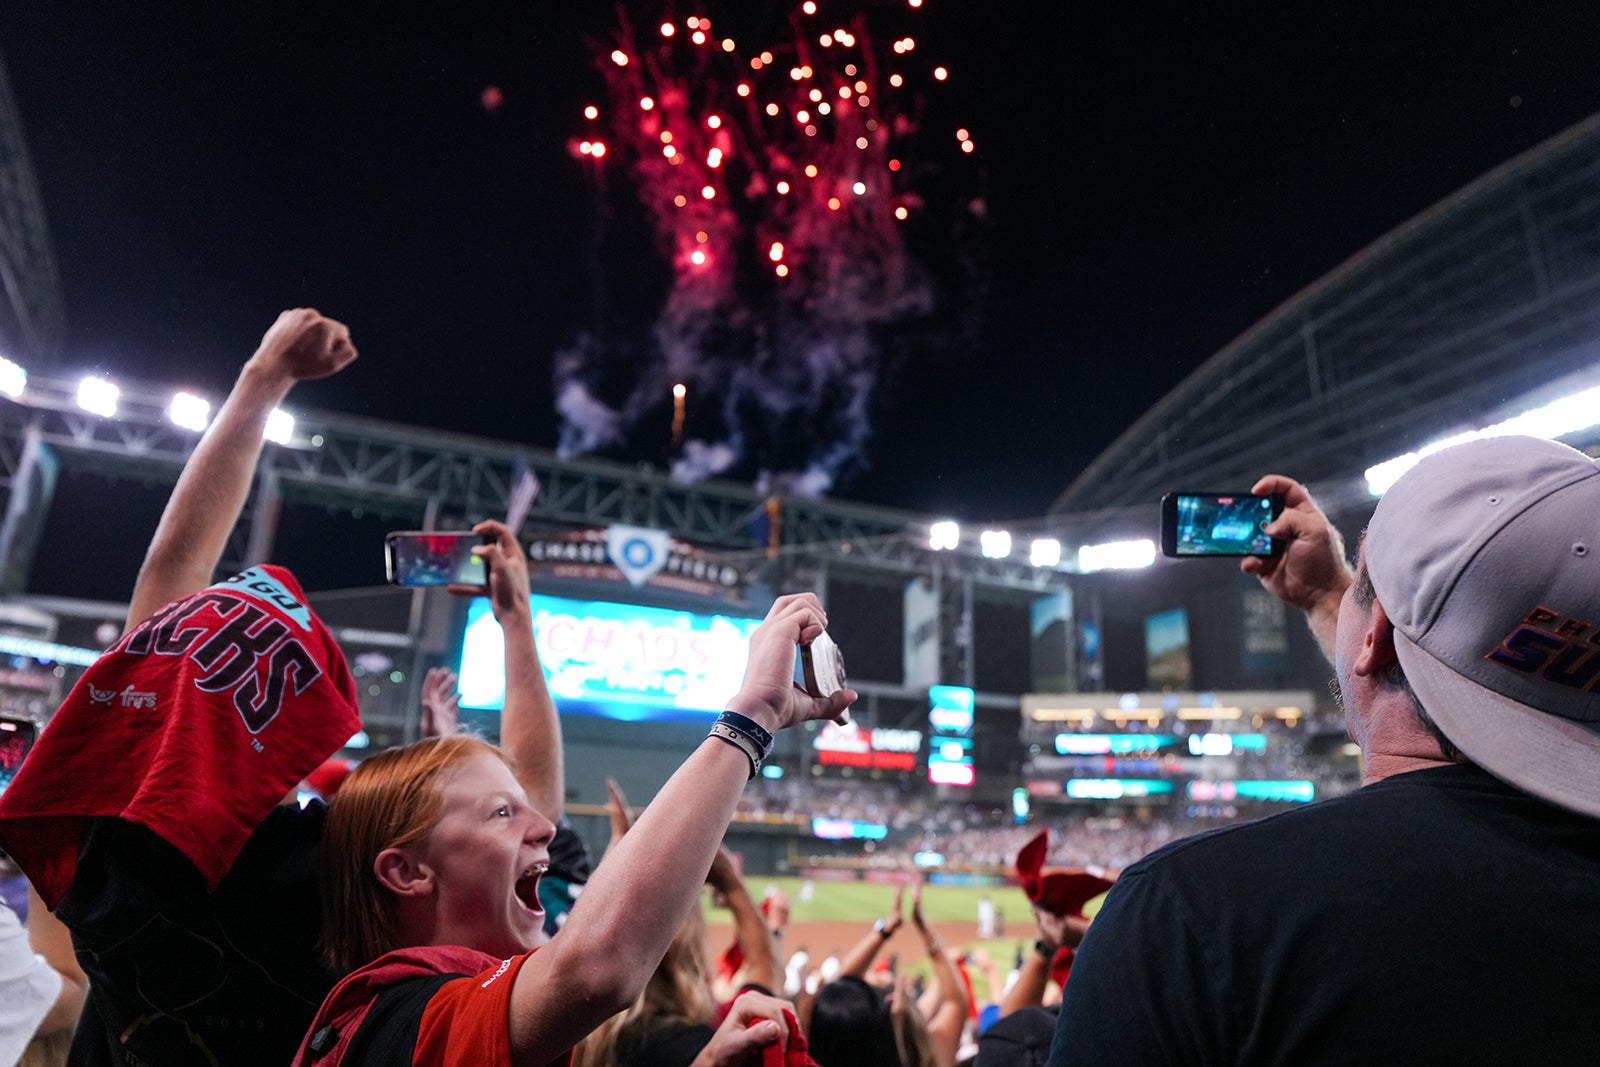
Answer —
434 559
1223 525
16 738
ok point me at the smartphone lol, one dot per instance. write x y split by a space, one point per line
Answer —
16 739
821 666
1196 525
420 558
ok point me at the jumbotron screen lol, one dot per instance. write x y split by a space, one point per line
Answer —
621 661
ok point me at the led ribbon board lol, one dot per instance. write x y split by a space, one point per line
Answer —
950 715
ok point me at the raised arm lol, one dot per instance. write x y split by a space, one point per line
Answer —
618 813
1311 573
859 959
530 728
441 703
640 895
946 1021
1034 975
750 930
211 491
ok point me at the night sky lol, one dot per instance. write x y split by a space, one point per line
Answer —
1156 180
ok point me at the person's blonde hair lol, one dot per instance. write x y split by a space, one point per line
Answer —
680 989
389 801
911 1037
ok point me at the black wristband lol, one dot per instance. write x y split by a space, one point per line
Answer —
1047 951
748 726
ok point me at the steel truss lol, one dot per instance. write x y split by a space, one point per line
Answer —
407 470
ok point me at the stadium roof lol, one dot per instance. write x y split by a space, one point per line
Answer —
1481 307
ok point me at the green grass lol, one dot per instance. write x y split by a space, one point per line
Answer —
865 901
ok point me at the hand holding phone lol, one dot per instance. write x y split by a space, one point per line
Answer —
1197 525
427 558
822 666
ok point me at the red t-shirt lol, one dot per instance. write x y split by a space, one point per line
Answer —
467 1022
463 1022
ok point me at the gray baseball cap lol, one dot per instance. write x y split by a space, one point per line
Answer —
1486 557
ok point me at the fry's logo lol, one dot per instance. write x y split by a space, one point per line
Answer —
238 647
131 697
1559 648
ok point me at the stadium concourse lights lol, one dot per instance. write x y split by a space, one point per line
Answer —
189 412
1045 552
1116 555
98 396
995 544
1577 411
13 379
945 536
185 410
280 427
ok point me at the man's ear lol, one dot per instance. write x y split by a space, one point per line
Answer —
1377 643
400 872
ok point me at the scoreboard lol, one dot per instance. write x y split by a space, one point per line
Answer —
869 748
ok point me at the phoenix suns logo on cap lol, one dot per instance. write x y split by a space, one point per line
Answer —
1560 648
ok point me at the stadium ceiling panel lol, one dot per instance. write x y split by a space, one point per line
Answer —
32 321
1485 305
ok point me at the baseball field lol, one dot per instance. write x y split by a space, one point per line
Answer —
832 916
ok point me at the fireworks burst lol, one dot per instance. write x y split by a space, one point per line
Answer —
778 181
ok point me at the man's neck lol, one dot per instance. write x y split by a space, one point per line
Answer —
1381 765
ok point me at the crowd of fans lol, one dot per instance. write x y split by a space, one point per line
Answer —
972 836
440 911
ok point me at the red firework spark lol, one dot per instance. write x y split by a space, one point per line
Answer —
794 146
778 179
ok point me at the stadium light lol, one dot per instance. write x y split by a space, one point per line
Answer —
1117 555
944 536
995 544
98 396
189 412
1045 552
13 379
280 427
1556 419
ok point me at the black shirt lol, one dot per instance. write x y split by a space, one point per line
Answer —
179 976
1438 916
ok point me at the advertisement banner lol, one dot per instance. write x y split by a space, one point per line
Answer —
922 634
1053 639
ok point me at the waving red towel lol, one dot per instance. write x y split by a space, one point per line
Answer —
797 1055
195 725
1059 890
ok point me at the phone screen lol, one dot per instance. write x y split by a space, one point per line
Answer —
1218 524
16 739
434 559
